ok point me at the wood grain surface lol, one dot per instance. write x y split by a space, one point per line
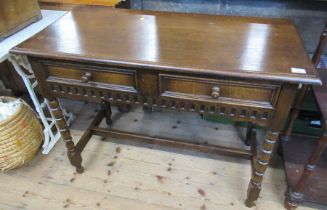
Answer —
217 45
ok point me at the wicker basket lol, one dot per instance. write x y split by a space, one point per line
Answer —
20 136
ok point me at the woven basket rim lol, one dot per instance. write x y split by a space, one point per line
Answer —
6 127
20 137
18 110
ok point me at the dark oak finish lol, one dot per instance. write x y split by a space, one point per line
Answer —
71 4
11 78
295 194
295 112
252 48
83 2
238 67
16 14
74 156
296 153
320 90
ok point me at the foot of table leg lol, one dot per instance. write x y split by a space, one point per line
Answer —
260 168
74 156
290 206
295 196
292 199
253 193
75 159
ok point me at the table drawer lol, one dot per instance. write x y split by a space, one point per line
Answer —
215 90
92 76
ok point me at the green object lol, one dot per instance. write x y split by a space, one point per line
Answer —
309 112
218 119
309 103
303 127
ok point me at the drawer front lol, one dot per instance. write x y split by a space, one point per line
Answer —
92 76
220 91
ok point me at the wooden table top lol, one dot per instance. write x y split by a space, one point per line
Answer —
109 3
256 48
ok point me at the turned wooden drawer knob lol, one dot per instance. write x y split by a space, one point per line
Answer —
86 78
215 92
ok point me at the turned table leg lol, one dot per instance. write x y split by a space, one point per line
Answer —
74 156
295 112
294 196
260 167
315 60
250 134
261 161
107 108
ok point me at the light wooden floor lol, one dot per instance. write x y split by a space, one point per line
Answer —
129 176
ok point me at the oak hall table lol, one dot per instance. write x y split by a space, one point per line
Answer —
247 69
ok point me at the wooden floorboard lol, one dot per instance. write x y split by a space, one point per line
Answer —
127 175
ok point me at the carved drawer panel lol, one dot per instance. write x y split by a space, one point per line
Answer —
261 116
92 76
220 91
